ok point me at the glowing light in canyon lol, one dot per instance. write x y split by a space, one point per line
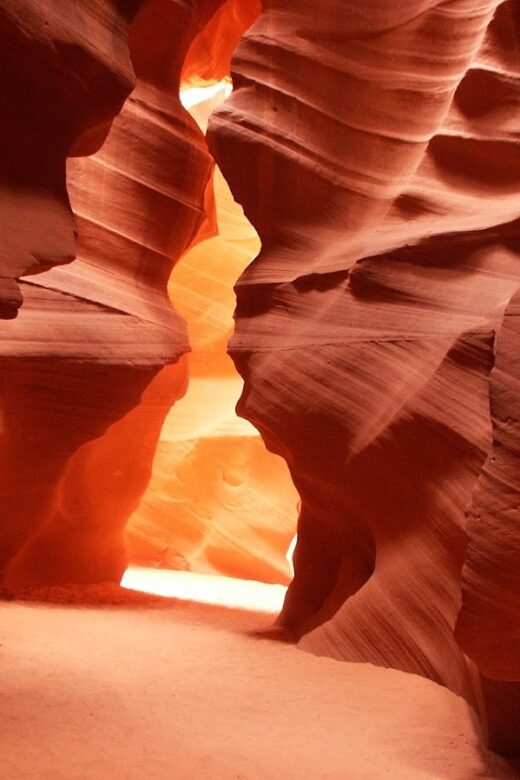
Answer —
218 502
199 96
206 589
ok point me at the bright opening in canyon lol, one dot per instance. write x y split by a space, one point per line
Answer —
218 502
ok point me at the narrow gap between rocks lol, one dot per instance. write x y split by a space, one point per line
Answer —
218 519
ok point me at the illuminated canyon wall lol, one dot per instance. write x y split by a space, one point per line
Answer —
94 360
375 149
218 501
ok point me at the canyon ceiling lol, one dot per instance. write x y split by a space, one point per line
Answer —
375 149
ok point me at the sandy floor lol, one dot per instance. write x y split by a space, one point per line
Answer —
189 692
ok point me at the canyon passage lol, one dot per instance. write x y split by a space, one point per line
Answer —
260 389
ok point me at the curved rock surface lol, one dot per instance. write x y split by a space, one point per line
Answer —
94 336
375 150
209 57
488 627
65 74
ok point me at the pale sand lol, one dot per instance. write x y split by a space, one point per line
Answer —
183 691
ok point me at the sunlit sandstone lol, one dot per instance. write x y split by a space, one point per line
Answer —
94 360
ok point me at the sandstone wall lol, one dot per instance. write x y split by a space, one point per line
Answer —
92 364
375 149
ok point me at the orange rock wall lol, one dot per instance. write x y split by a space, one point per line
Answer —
209 57
96 339
375 149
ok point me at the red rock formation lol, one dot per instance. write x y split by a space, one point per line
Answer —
65 74
91 337
374 148
209 56
488 627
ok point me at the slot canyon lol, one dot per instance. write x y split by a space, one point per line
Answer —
260 389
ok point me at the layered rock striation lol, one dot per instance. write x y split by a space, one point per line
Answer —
375 150
66 73
93 362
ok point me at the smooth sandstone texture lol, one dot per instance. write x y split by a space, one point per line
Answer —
489 622
374 148
488 626
65 74
97 338
209 57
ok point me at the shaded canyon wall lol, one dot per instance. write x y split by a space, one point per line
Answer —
375 149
